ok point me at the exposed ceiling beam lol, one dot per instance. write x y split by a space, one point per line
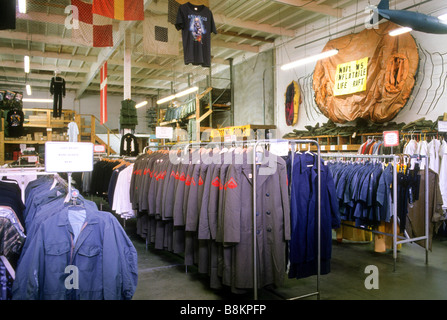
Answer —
20 76
70 87
252 25
245 36
60 20
70 79
47 54
46 67
235 46
312 6
162 8
53 40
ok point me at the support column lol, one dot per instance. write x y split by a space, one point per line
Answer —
127 65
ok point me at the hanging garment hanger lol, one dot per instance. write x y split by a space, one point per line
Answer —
308 150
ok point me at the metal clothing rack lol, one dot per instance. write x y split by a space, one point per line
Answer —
255 143
293 142
40 171
394 235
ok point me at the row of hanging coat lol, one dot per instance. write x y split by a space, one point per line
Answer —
199 203
67 232
364 190
435 148
367 186
101 174
118 192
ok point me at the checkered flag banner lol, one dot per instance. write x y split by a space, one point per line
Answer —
159 36
90 29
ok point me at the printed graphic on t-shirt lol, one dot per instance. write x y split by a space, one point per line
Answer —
15 120
196 26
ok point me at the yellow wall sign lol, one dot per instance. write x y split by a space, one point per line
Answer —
350 77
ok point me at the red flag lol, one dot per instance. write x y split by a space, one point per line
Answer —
91 29
120 9
103 93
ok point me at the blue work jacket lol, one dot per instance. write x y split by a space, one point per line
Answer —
303 210
103 255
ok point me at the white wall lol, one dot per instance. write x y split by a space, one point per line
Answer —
429 87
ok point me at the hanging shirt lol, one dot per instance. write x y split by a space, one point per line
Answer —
73 132
433 152
196 23
8 15
423 151
15 118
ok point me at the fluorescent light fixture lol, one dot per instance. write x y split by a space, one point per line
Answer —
399 31
139 105
166 99
26 66
22 6
300 62
187 91
37 100
28 90
178 95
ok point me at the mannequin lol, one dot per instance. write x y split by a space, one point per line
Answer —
57 88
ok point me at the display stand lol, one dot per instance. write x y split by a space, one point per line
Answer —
394 235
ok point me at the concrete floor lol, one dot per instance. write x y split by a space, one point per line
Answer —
162 275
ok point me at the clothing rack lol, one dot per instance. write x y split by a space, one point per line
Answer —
254 144
394 235
39 171
293 142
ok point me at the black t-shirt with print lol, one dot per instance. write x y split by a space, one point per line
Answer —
196 23
14 119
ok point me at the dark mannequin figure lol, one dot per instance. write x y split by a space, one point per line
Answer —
57 88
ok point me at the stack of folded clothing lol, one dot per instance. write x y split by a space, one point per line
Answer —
128 114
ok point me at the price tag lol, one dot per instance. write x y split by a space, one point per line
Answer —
68 156
323 147
332 148
99 148
442 126
344 147
391 138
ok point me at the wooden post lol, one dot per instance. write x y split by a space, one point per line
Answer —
92 129
197 118
78 123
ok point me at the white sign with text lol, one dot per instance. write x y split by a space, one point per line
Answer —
68 156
